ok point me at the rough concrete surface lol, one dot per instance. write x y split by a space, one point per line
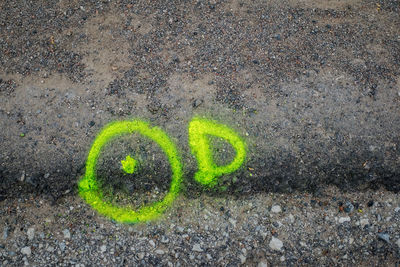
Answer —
313 87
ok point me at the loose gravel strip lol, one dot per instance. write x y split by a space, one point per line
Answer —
264 230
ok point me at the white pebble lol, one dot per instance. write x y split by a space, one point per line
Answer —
242 258
275 244
276 209
26 251
160 252
364 222
30 233
103 248
67 234
344 219
197 248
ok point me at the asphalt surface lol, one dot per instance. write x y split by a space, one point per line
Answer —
312 87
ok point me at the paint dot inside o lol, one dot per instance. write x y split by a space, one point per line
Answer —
129 164
89 188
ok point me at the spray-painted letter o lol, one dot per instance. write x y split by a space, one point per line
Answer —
88 185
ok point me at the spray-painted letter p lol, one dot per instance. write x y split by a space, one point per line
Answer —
208 173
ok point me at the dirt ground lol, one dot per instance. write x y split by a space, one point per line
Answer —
313 87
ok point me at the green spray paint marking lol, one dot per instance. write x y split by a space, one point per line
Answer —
208 172
88 186
129 164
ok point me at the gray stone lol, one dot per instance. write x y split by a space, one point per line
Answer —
67 234
275 244
5 232
164 239
344 219
30 233
262 263
160 252
385 237
197 248
276 209
242 258
62 246
26 251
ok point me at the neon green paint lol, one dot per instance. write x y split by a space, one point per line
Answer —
88 186
129 164
208 173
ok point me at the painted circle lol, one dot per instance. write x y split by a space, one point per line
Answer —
92 194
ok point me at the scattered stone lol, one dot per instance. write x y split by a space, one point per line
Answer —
344 219
103 248
262 263
348 207
62 246
26 251
197 103
5 232
197 248
160 252
30 233
397 209
370 203
398 242
242 258
364 222
275 244
22 177
276 209
385 237
152 243
67 234
164 239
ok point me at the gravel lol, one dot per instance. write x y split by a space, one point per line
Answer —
195 231
311 86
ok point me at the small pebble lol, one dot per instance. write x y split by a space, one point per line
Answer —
151 242
197 248
160 252
348 207
344 219
67 234
385 237
5 232
275 244
242 258
62 246
26 251
30 233
276 209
